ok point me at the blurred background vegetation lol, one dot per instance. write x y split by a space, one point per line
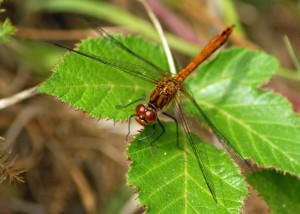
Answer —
73 163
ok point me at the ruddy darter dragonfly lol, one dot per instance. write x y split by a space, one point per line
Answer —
166 91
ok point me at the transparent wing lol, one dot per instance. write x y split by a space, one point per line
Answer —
229 148
151 69
127 67
198 147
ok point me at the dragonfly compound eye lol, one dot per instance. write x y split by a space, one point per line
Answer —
140 109
150 116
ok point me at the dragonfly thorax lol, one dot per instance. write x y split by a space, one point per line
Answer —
160 97
164 93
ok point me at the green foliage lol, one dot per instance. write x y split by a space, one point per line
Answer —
280 191
260 124
6 30
97 88
169 180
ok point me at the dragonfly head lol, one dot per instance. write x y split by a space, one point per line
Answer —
145 115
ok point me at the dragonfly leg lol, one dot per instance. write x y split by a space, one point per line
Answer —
131 116
177 131
129 104
161 134
150 135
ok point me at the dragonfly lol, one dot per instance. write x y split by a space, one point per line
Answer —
169 89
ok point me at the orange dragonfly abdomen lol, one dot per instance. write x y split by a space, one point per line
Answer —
167 88
213 45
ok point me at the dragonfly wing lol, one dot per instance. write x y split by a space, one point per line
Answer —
233 153
198 147
111 40
127 67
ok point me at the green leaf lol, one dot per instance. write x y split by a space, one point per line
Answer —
232 68
281 192
260 124
226 89
96 88
6 30
169 180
